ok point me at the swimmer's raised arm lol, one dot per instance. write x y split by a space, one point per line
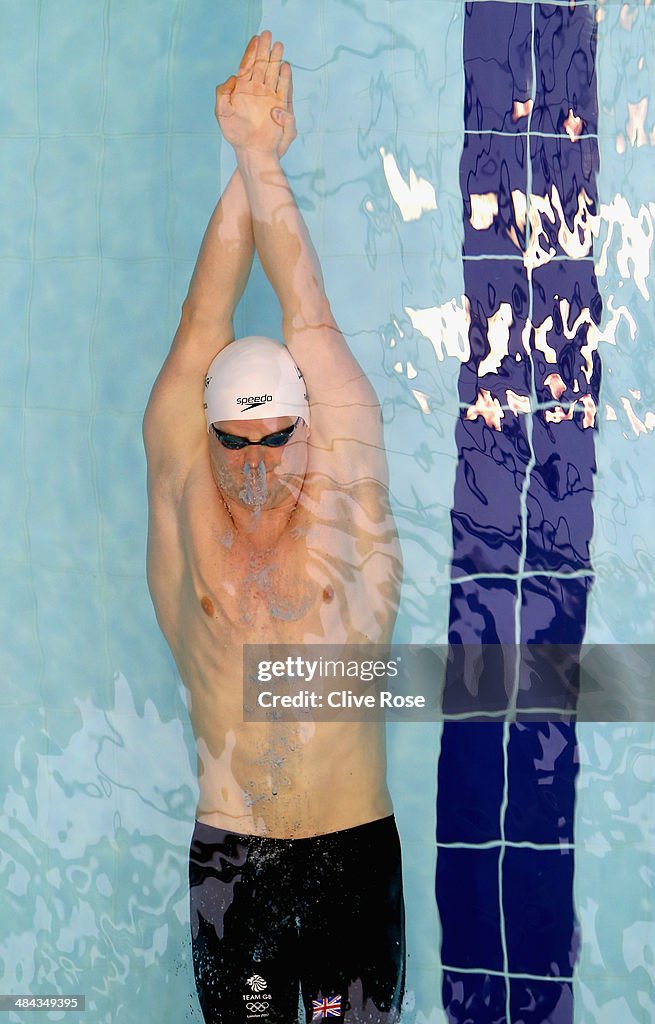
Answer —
252 114
174 423
225 256
220 274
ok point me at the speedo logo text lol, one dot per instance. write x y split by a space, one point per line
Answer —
252 401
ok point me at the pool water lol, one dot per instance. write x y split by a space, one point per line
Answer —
113 163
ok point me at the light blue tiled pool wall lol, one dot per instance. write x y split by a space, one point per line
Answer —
112 164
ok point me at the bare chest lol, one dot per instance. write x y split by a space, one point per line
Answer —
270 587
325 579
283 594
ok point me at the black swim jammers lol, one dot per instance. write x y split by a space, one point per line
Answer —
320 918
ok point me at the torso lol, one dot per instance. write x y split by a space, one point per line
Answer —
332 578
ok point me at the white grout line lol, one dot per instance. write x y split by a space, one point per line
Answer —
26 370
524 543
93 411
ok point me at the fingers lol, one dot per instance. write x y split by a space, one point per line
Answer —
285 87
224 96
262 57
283 117
273 69
248 59
287 122
227 86
262 63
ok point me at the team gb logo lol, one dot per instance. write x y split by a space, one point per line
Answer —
256 983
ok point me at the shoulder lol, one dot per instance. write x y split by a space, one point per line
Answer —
184 519
343 401
174 427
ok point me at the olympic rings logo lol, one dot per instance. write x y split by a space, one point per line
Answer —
257 1007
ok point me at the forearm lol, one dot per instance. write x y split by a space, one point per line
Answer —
282 241
224 261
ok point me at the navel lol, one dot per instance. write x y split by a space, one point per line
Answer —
207 606
328 593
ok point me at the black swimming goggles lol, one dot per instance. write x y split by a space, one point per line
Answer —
233 442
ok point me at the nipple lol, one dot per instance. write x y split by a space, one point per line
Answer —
207 606
328 593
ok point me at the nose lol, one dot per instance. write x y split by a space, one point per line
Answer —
255 454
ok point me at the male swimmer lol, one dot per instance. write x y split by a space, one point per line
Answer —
269 522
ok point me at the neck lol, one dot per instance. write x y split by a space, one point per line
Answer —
260 528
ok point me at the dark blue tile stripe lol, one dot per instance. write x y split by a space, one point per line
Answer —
522 504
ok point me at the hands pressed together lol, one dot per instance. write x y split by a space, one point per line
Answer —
254 108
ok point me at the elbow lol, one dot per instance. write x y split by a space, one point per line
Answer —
147 426
195 322
310 315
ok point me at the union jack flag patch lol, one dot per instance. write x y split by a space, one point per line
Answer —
326 1007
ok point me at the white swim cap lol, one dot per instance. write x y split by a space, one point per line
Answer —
254 378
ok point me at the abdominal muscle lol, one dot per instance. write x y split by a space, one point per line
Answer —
275 778
291 781
282 779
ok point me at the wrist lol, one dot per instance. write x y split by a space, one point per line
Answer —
251 159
